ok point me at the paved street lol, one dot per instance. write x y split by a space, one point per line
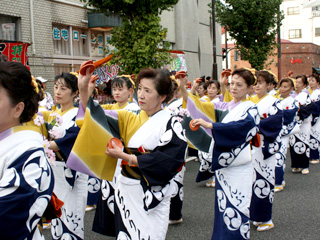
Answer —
296 212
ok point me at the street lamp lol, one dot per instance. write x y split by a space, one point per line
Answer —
214 64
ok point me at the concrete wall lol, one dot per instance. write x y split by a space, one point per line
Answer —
193 35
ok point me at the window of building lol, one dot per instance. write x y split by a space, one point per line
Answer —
293 11
295 33
10 28
317 32
61 39
80 43
97 43
59 68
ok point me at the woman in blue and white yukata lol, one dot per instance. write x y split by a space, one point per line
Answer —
264 158
315 124
290 126
70 186
174 107
154 152
26 178
236 125
300 142
122 88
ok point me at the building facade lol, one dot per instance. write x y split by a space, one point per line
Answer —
61 39
300 41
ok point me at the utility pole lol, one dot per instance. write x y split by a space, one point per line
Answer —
226 45
279 47
214 64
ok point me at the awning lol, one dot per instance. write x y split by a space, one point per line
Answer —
101 20
315 70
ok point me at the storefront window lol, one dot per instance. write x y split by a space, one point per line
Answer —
80 42
61 39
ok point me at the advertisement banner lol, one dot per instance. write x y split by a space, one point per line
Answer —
106 71
15 51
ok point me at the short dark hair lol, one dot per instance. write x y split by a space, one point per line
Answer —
304 79
267 77
16 79
287 80
316 77
161 79
214 82
245 74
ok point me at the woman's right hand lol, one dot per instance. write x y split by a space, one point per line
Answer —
84 81
85 86
224 76
202 123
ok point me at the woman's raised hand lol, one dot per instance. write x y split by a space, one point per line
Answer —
84 83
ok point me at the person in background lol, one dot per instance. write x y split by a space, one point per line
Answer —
264 158
272 89
174 107
299 142
290 126
229 145
213 90
315 123
314 83
47 102
26 178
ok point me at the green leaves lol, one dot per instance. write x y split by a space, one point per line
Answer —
253 24
140 41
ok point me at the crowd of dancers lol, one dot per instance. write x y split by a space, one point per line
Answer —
59 156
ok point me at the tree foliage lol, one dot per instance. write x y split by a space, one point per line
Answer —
140 41
253 24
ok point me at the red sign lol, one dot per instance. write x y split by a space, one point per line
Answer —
293 61
16 52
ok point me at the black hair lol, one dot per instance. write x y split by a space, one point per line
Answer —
316 77
118 82
16 79
287 80
304 79
267 77
245 74
204 85
71 81
39 83
41 92
214 82
161 79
